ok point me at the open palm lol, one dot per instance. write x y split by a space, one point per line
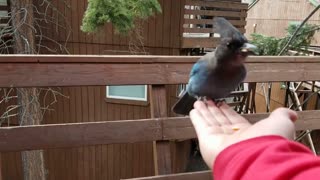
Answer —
218 127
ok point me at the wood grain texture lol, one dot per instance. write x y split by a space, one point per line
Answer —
202 175
216 13
229 5
209 21
199 42
78 134
205 30
161 149
182 128
160 70
112 132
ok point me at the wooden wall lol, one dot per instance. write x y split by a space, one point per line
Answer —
273 17
160 33
95 162
161 36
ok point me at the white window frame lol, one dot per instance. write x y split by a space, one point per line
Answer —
145 99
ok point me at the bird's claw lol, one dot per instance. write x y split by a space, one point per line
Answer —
219 102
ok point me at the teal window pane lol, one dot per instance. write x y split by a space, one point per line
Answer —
132 92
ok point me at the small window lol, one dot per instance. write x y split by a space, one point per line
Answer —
128 94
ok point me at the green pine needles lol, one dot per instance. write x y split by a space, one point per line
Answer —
121 13
271 46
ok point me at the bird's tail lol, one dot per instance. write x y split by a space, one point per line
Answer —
185 104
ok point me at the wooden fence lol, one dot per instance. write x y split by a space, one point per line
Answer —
197 28
45 70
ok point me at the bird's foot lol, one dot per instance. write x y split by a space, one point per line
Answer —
203 99
219 102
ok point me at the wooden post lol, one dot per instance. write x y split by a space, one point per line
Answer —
161 149
0 167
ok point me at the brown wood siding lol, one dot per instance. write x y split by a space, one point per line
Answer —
273 17
161 36
160 33
117 161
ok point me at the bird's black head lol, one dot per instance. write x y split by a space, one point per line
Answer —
233 45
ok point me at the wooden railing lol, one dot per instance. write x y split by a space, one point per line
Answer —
198 14
47 70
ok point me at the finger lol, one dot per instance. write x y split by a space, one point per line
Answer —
285 113
232 115
217 114
206 114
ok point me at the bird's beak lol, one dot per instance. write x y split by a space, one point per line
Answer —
248 48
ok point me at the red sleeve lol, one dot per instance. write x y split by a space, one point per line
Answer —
267 157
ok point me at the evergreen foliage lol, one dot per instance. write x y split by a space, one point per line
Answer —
271 46
121 13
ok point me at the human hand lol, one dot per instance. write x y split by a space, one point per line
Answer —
219 127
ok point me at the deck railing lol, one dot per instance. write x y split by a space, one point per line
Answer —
156 71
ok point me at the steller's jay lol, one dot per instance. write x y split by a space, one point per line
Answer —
217 73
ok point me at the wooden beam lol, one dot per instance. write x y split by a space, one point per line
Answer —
182 128
229 5
205 30
78 134
201 175
0 168
210 21
139 59
162 152
39 71
216 13
199 42
112 132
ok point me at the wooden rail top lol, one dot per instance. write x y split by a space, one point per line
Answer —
80 70
138 59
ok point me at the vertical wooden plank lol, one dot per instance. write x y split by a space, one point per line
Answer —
74 151
85 116
78 112
175 28
97 117
162 155
136 146
92 105
0 167
123 147
74 22
117 147
159 27
166 23
151 31
80 13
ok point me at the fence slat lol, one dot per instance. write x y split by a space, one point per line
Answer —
199 42
162 154
78 134
210 21
202 175
205 30
112 132
215 13
231 5
110 70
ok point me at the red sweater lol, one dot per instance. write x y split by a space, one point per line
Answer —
267 157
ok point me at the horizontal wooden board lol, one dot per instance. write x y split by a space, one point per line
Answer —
209 21
113 132
78 134
216 13
182 128
119 70
201 175
205 30
199 42
140 59
230 5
